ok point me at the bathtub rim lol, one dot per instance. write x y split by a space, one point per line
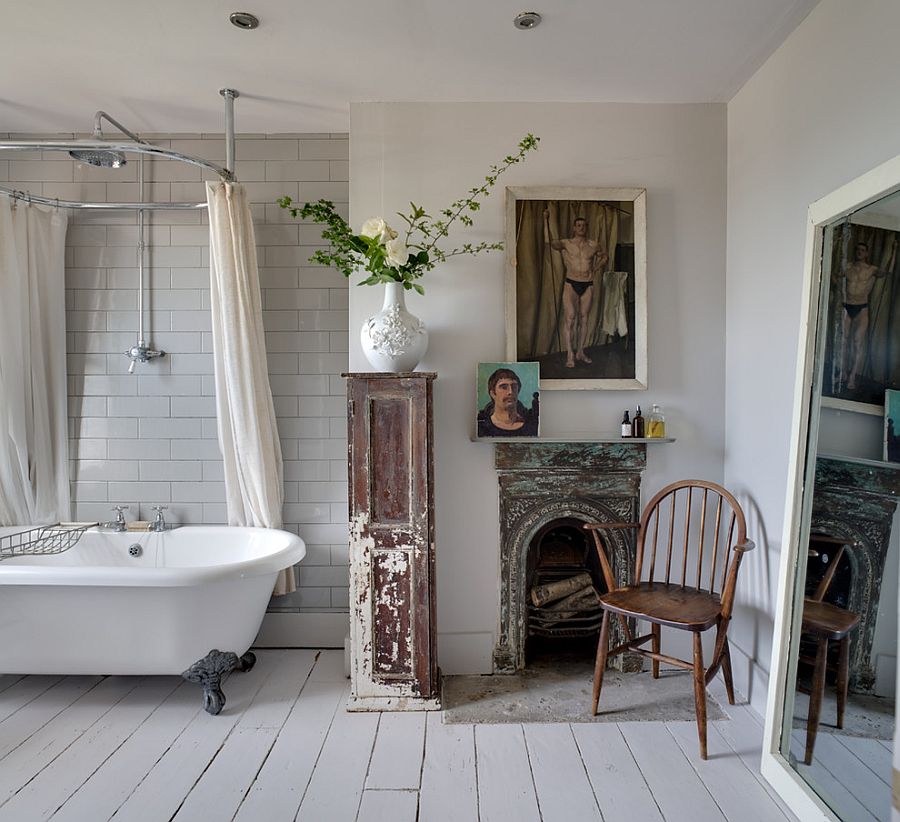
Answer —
139 577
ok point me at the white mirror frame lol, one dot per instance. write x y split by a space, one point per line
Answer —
796 793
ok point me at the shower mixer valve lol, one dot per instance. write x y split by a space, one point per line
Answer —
141 353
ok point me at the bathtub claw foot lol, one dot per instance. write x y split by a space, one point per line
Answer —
208 673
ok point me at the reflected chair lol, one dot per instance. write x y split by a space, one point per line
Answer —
690 542
826 622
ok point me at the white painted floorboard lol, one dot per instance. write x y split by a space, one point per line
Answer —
91 749
505 784
563 788
449 790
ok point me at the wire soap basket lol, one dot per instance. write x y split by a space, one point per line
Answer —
46 539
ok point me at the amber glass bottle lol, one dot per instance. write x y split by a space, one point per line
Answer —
637 424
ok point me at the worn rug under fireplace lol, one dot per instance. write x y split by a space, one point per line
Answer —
547 692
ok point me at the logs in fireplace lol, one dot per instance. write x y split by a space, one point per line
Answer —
563 595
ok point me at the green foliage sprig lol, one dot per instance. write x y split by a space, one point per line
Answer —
378 248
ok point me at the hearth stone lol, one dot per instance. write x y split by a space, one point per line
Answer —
541 482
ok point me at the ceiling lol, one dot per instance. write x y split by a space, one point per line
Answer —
158 66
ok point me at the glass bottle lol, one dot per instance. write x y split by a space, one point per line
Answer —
656 423
626 425
637 424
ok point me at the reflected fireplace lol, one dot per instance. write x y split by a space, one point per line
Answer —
548 490
855 501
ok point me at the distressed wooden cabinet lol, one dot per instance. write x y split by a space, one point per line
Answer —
393 663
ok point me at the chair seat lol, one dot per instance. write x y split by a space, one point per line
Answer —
828 620
672 605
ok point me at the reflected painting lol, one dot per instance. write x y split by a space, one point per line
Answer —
862 348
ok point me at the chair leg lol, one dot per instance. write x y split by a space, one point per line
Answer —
843 678
655 646
700 692
726 673
600 664
815 698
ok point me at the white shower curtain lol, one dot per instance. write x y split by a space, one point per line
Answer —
34 471
248 437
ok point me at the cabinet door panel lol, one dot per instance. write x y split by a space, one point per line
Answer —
392 547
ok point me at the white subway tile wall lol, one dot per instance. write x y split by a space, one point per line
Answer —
149 438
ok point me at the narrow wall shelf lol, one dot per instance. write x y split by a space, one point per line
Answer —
574 438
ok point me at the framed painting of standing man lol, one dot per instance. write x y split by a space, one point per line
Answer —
862 342
576 285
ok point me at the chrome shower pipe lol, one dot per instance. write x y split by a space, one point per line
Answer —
229 94
141 352
142 343
98 131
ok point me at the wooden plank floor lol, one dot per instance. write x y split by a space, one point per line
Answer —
89 749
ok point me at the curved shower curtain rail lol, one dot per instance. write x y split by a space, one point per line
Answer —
224 173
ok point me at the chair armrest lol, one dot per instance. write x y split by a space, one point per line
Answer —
749 545
601 526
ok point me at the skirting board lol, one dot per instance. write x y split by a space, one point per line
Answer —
303 630
392 703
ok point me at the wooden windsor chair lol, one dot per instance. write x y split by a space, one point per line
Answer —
713 541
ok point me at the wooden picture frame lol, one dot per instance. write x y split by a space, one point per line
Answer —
576 297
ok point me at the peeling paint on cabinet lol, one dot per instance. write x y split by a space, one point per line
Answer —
392 619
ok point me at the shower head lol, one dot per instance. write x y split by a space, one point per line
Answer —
99 158
102 158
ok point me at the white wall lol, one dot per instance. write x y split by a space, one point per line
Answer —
431 154
822 110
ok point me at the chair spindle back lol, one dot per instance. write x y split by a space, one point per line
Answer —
711 523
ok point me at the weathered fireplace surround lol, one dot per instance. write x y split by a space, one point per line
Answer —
545 481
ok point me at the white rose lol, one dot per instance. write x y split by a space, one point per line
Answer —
377 229
397 253
373 227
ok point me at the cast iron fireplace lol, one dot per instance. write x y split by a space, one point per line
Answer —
548 487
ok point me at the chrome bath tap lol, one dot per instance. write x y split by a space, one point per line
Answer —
159 524
118 525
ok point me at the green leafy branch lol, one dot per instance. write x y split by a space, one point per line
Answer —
347 252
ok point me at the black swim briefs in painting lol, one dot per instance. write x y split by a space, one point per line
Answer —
579 286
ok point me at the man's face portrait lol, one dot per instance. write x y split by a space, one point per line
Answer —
580 227
862 252
499 410
505 393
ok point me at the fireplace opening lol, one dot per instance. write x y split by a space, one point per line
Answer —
563 578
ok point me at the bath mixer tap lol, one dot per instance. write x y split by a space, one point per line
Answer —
159 524
119 524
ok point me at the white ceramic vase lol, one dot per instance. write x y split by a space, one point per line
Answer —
393 339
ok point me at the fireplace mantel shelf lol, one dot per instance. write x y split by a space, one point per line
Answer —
573 438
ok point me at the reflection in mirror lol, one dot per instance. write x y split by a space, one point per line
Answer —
838 726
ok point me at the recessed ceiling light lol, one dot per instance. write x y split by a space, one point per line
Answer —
526 20
244 20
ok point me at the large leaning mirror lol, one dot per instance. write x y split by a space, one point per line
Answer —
831 715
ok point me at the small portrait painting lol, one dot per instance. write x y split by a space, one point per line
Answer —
507 402
891 425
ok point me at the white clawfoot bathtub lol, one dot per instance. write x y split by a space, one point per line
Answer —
97 609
